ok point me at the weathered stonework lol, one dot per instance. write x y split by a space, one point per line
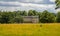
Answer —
30 19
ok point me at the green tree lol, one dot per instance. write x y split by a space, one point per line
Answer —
24 13
39 14
57 2
47 17
32 13
58 17
0 16
17 19
35 12
4 17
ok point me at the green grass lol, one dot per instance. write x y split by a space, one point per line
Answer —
52 29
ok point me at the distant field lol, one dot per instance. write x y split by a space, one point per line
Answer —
30 29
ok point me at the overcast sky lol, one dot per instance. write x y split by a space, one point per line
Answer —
39 5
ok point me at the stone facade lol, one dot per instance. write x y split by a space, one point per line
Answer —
30 19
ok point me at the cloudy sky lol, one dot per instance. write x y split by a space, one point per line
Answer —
39 5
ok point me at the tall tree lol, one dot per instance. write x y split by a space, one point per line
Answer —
35 12
57 2
58 17
47 17
4 17
32 13
24 13
17 19
39 14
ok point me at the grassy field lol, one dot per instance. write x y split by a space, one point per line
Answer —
30 29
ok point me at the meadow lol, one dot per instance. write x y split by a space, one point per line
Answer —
46 29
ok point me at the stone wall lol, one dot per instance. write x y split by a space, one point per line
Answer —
30 19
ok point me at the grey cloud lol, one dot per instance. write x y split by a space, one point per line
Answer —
9 5
8 0
31 1
23 1
28 8
12 7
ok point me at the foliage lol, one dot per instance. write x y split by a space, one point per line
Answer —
47 17
17 19
57 2
4 17
16 16
32 13
39 14
58 17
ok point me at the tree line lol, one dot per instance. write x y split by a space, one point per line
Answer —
16 16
